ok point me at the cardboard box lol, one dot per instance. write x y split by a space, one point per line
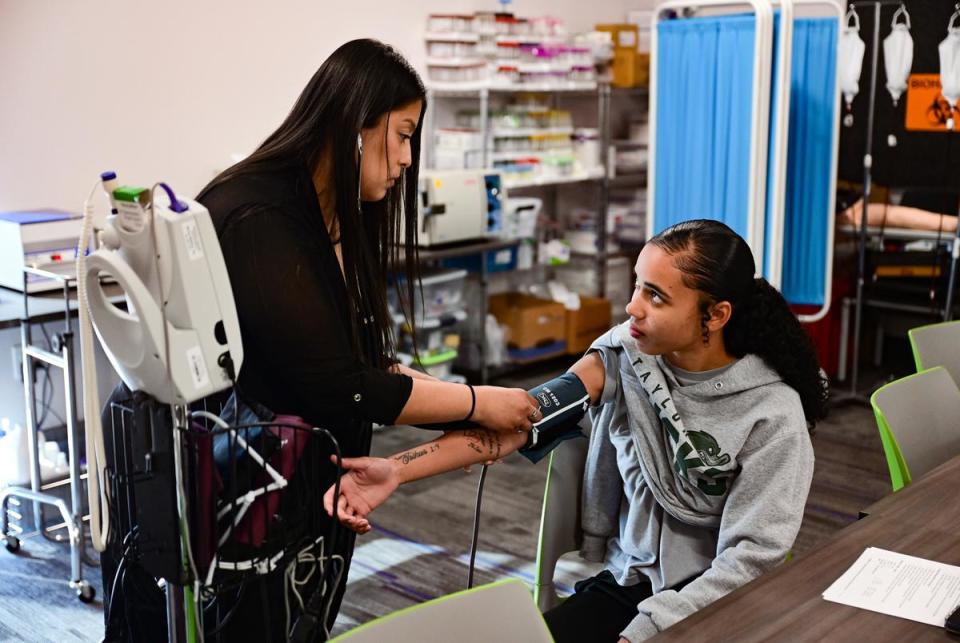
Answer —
625 35
630 69
642 69
585 325
530 321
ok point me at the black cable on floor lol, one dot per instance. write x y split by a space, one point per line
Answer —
476 527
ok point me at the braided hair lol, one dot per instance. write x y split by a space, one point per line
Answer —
717 262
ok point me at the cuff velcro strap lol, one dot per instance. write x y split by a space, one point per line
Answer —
563 402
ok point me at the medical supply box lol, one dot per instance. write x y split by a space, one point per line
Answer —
45 239
590 321
530 321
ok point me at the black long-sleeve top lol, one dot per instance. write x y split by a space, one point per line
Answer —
292 304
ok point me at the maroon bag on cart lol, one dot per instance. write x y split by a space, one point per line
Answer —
280 446
252 530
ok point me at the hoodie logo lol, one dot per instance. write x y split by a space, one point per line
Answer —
696 455
708 449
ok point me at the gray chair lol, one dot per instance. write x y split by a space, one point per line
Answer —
937 345
501 611
918 417
560 530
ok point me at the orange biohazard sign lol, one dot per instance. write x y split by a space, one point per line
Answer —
927 109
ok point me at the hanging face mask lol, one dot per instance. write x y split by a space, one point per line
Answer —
898 60
850 62
950 66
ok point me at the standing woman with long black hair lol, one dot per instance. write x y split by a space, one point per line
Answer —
310 224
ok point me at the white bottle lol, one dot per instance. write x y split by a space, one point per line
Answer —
53 461
14 458
62 467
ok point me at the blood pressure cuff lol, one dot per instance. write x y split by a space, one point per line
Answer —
563 401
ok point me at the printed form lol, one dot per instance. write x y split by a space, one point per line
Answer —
899 585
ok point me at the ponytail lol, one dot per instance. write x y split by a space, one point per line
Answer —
764 325
717 261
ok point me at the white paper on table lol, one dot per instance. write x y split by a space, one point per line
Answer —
899 585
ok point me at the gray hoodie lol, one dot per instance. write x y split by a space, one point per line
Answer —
708 479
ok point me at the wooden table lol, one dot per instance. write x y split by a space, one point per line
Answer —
921 520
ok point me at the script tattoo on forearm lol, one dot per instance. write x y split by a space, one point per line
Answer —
485 443
409 456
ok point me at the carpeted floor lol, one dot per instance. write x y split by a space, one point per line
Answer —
36 604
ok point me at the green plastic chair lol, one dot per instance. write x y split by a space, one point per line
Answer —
560 530
918 417
501 611
937 345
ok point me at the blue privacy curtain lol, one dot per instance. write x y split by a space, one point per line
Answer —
705 68
809 154
704 80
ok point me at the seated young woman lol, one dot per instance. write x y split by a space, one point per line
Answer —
700 458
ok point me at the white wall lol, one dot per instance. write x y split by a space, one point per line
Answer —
168 91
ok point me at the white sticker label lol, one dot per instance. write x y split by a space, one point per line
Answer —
198 367
191 238
131 217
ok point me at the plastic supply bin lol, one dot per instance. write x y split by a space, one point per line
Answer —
442 294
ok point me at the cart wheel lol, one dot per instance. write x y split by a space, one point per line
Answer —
86 592
13 544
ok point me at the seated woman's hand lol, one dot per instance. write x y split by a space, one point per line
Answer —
367 483
509 410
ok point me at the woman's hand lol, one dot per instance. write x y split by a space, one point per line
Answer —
508 410
367 483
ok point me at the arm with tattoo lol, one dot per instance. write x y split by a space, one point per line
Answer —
368 482
452 451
